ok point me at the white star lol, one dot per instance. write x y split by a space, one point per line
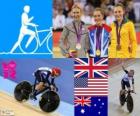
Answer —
82 111
103 104
99 113
92 34
95 105
99 99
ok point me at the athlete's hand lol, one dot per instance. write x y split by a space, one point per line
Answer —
52 87
133 91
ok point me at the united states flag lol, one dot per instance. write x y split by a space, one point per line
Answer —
90 67
91 87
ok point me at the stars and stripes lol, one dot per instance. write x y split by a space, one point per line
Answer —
90 87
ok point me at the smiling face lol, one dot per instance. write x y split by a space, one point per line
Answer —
98 17
76 13
119 13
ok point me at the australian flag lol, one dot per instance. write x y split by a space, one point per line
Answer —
91 106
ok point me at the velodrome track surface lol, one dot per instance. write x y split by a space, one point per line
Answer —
8 103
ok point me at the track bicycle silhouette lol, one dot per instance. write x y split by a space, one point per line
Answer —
125 96
38 42
49 100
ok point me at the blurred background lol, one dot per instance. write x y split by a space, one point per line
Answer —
62 16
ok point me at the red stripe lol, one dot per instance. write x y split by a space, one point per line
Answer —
92 67
91 95
92 90
95 87
94 80
97 84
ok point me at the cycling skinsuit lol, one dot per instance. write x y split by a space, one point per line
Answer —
43 74
126 80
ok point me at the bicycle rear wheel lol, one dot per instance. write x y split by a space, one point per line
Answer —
49 101
31 49
22 91
122 98
130 104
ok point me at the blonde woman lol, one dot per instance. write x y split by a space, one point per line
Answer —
123 36
74 41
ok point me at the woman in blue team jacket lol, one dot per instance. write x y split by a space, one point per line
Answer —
99 35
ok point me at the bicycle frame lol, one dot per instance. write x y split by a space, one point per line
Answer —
37 36
40 43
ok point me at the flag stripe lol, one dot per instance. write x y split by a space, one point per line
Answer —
91 67
92 95
89 88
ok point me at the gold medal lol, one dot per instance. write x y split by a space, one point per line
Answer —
98 52
78 46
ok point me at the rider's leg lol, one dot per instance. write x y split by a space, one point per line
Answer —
42 90
32 35
128 86
40 86
123 87
21 35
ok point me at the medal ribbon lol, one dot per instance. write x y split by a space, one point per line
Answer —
98 38
78 32
118 32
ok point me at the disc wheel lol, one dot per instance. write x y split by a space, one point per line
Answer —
49 101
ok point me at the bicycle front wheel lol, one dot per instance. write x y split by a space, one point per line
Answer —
49 101
130 104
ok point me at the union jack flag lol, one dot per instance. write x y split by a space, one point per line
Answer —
83 101
91 67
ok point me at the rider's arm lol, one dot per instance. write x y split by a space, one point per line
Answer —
63 43
31 24
124 69
133 87
30 19
26 20
46 76
52 81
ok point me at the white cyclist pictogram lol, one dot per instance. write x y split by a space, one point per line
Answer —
33 34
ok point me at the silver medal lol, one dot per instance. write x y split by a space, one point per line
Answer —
78 46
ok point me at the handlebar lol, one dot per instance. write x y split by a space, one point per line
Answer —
130 91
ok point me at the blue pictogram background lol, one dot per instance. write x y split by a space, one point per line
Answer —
10 23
